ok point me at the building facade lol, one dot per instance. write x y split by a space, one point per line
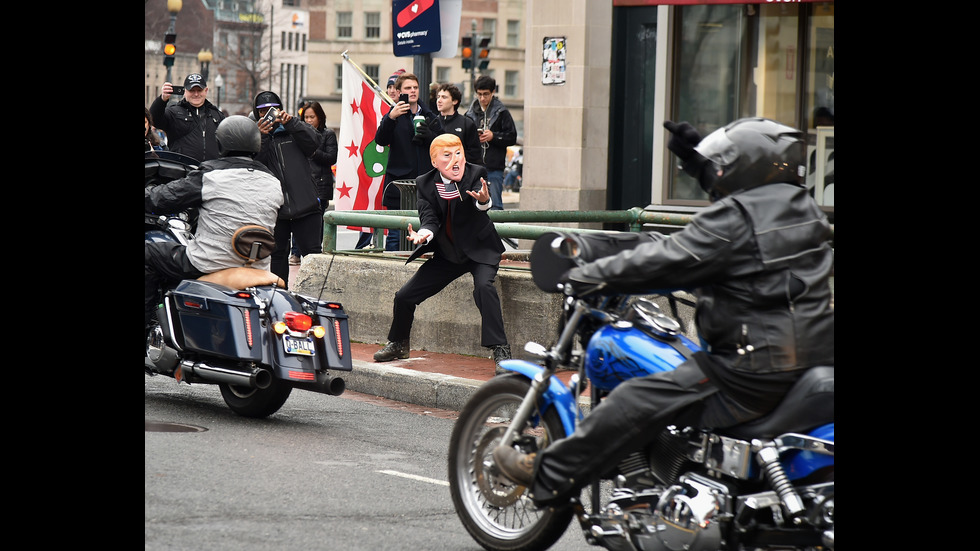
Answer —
589 82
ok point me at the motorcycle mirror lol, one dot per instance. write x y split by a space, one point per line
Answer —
566 246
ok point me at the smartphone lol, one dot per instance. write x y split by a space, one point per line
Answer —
403 97
179 90
271 115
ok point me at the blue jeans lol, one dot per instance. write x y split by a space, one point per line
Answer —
496 180
391 242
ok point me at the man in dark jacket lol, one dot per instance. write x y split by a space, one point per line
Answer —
759 262
287 144
408 154
190 123
497 132
448 97
453 201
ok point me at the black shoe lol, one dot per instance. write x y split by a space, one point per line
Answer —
515 465
500 352
392 351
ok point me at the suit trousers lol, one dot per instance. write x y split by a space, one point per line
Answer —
433 276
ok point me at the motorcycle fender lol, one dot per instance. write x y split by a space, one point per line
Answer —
557 393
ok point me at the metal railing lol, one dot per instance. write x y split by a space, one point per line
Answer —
520 224
509 223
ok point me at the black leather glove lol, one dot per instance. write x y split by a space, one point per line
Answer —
424 135
577 284
683 139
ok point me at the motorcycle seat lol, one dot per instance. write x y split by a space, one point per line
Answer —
809 404
243 278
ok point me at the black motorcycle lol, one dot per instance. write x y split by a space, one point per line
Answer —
238 328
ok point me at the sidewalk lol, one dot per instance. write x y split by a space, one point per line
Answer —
444 381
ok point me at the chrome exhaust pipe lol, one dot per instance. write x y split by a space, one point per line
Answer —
256 378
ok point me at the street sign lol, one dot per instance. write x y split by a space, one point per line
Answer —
416 26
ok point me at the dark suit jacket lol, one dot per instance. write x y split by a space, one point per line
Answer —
472 229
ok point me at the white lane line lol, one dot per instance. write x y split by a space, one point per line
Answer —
416 477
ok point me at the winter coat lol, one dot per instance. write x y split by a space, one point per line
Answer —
465 128
190 130
321 164
287 151
231 192
499 120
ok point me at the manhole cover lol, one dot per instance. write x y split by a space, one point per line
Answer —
156 426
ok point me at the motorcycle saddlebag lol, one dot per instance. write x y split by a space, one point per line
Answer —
214 320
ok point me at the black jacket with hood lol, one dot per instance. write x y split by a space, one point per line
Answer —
499 120
286 152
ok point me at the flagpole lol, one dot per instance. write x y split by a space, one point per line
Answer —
377 89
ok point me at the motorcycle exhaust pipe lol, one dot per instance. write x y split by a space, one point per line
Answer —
334 386
257 378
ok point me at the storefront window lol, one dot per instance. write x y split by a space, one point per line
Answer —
744 60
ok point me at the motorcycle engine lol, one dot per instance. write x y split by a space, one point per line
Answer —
686 517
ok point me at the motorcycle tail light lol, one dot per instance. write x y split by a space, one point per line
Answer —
340 339
296 321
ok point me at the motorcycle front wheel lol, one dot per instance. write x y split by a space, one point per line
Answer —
494 510
256 402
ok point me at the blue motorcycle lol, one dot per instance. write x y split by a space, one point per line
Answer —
768 484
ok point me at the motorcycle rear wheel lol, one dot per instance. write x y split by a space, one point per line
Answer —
254 402
494 510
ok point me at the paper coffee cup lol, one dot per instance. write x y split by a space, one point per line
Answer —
415 122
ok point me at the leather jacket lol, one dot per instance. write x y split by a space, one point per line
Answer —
759 263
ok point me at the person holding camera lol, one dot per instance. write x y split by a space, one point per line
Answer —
497 133
408 154
190 123
287 145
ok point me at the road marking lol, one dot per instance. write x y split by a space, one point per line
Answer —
416 477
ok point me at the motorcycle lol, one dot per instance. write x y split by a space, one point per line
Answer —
237 328
767 484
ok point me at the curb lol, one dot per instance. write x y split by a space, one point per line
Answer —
425 389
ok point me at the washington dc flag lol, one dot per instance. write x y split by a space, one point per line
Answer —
361 163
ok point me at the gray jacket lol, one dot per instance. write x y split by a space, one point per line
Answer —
231 192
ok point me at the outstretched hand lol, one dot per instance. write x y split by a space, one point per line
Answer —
483 195
413 236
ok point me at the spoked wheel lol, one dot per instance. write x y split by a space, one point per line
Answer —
256 402
494 510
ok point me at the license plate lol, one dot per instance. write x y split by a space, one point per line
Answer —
302 347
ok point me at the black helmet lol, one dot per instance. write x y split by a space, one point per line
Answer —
749 153
238 136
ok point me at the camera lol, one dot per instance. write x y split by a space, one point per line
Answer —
271 115
178 90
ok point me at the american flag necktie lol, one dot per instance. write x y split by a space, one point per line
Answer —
448 191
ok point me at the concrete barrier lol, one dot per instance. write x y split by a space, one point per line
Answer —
446 323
